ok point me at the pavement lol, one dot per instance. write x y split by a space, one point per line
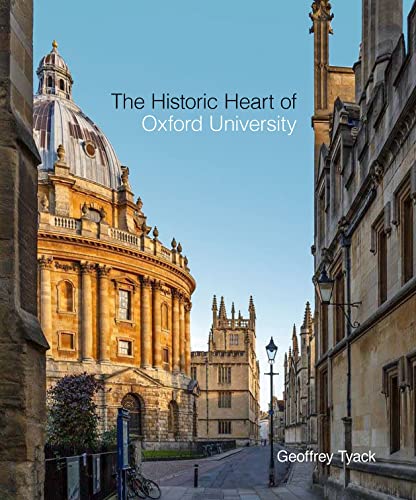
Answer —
241 474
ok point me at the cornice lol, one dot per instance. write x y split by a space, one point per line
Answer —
91 242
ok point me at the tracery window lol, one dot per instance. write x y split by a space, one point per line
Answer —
407 238
224 374
234 337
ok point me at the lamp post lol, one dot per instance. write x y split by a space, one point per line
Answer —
271 350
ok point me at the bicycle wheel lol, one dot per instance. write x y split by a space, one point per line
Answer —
137 487
151 489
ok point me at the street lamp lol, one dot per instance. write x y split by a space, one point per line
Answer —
271 350
324 286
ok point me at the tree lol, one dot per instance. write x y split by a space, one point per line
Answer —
72 412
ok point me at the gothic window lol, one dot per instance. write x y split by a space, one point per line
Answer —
173 418
234 339
134 405
224 374
193 372
224 399
382 266
66 297
324 329
407 239
339 299
66 341
125 347
124 305
337 182
224 427
165 316
321 217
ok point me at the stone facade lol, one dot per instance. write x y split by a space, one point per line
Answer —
299 392
22 344
229 378
365 238
113 300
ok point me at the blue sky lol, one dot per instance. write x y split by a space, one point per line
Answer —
241 205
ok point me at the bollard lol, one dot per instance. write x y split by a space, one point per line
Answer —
196 468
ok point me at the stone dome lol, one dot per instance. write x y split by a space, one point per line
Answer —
58 120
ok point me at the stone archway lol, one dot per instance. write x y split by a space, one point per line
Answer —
135 405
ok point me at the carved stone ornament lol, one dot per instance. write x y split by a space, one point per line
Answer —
87 267
45 262
44 203
146 282
321 11
103 271
377 173
65 267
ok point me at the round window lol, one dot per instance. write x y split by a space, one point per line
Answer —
90 149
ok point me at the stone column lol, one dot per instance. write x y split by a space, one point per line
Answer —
182 333
146 322
157 325
175 332
104 313
46 299
86 312
23 345
188 307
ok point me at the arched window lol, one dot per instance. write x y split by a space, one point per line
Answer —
61 84
134 405
165 316
49 82
66 302
173 418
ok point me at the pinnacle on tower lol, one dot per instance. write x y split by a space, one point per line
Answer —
223 312
295 342
233 312
214 303
251 305
307 321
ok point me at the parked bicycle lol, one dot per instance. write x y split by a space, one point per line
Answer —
141 487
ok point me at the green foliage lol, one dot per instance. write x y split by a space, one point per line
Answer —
72 413
109 438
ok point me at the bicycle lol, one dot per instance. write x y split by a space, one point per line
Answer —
141 487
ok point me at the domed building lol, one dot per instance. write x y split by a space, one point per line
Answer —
113 300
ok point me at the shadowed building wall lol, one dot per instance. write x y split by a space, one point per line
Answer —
22 344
